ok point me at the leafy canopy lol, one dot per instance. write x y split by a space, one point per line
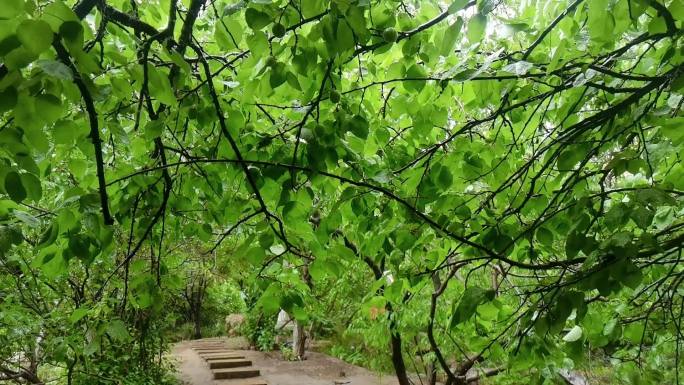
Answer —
508 171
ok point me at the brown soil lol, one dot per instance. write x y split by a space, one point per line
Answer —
317 369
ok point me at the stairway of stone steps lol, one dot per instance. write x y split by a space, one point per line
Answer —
227 366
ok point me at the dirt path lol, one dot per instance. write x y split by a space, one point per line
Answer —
317 369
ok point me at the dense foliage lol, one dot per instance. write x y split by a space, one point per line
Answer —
484 188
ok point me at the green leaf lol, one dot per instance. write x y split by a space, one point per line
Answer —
471 299
79 246
9 43
9 235
450 37
55 69
290 300
617 216
14 187
72 33
476 28
320 268
68 132
8 99
160 86
345 37
573 244
32 185
258 44
544 236
359 126
118 331
154 129
416 71
457 5
228 34
486 6
405 239
657 25
19 58
600 21
35 35
497 240
54 265
278 75
569 158
50 107
57 13
444 178
256 19
255 255
78 315
295 212
610 327
11 8
673 129
634 332
270 299
627 273
293 81
300 314
142 299
26 218
642 216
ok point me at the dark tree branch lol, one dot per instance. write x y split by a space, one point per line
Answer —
665 14
63 55
127 20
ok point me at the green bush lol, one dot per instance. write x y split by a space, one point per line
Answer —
260 331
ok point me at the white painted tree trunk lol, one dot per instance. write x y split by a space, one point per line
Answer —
298 341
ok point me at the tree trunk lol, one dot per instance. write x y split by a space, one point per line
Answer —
395 338
397 357
194 295
298 341
198 326
196 314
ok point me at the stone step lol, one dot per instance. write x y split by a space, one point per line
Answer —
211 351
228 374
210 348
222 356
219 353
225 364
244 381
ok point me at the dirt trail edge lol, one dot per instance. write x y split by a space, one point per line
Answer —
228 356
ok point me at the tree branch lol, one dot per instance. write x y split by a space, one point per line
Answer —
63 55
